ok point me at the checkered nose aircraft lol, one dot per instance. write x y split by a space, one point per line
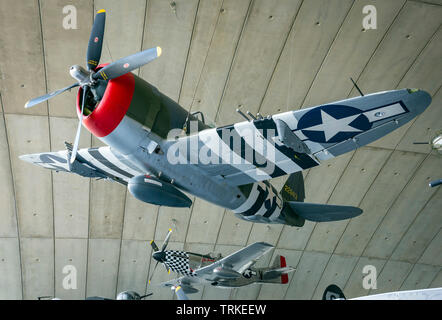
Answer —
232 271
228 166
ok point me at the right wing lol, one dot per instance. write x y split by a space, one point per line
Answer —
289 142
239 260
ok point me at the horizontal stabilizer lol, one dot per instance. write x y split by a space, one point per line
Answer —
280 274
323 212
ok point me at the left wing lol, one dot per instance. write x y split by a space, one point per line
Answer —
100 162
240 260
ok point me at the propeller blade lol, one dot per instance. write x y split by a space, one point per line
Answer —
127 64
153 272
80 124
166 241
48 96
96 40
180 293
154 246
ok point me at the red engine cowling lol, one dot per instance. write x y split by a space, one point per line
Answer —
113 106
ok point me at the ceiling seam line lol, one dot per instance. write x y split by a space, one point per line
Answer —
406 277
50 142
153 239
246 18
413 63
425 2
351 273
121 242
89 206
429 242
217 238
360 202
340 176
338 33
433 36
143 31
410 225
15 197
188 223
434 278
189 47
250 232
331 193
378 46
219 229
412 222
378 275
43 54
205 59
419 166
294 273
389 258
300 258
286 40
322 275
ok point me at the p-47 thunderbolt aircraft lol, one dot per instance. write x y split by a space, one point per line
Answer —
159 150
235 270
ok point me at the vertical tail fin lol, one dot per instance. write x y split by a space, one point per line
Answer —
293 189
277 273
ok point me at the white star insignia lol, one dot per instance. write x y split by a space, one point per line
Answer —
332 126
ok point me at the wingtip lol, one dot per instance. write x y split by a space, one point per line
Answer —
100 11
159 51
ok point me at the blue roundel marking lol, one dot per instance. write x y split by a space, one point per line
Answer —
340 123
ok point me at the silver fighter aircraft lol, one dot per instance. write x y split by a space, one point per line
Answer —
232 271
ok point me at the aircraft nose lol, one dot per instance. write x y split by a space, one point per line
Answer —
159 256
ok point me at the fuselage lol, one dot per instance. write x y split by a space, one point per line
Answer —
145 128
187 263
136 120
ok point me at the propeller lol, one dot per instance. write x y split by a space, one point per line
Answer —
127 64
160 255
166 241
95 44
92 79
48 96
180 294
77 136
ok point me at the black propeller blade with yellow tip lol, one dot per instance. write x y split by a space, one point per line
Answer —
180 294
95 44
160 255
127 64
92 79
166 241
154 246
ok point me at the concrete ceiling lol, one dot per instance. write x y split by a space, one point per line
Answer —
267 56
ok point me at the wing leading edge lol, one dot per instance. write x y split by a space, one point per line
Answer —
239 260
293 141
100 162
